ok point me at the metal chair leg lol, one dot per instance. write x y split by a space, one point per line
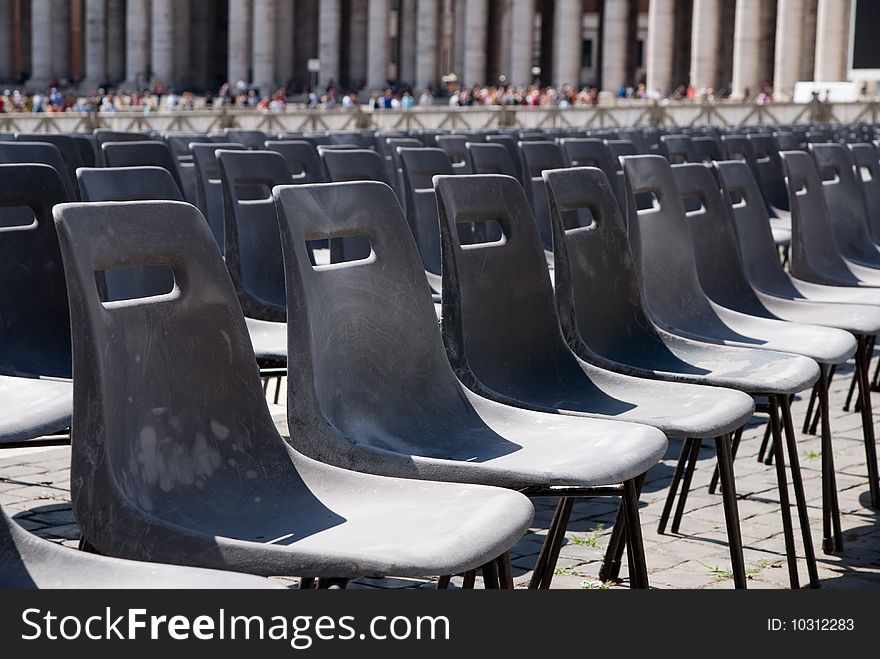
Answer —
686 484
862 366
800 498
832 536
610 568
731 512
490 576
811 408
737 438
443 582
543 573
505 572
307 583
673 486
470 578
815 424
784 504
635 547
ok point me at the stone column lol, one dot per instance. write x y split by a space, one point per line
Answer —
162 42
661 36
137 38
41 43
705 44
505 39
239 63
523 42
567 37
476 24
377 44
264 46
406 67
115 40
284 41
789 43
747 47
426 39
615 42
96 44
6 40
60 36
184 36
357 43
329 28
832 40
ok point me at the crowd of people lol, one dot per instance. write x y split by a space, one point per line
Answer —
60 97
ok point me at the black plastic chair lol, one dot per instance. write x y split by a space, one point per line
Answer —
302 159
209 187
419 167
127 184
490 159
179 145
86 146
768 171
66 144
454 146
103 135
12 153
678 148
176 457
591 152
141 154
253 245
394 168
536 157
250 139
867 165
35 363
28 562
503 336
397 381
598 298
510 143
708 149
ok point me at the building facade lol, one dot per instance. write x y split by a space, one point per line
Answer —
738 45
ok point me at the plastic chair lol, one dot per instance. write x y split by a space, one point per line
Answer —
176 457
394 168
179 145
503 336
393 349
250 139
209 186
66 144
867 166
302 159
509 142
536 157
141 154
596 272
253 246
454 146
846 207
708 149
717 251
35 367
768 172
103 135
419 167
590 152
28 562
678 148
490 158
12 153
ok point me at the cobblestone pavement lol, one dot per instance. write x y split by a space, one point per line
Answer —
34 489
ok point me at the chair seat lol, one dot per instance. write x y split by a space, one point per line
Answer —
836 294
27 561
781 234
269 340
30 407
306 520
745 369
858 319
493 444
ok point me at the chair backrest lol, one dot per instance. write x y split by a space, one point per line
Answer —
66 144
637 137
786 141
490 158
141 154
661 245
302 159
708 148
510 143
758 250
713 240
102 135
845 201
814 252
357 139
86 146
867 165
621 148
394 167
536 157
380 305
179 144
251 139
592 152
768 170
35 327
598 295
209 186
170 416
419 168
253 245
499 318
454 146
12 153
678 148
